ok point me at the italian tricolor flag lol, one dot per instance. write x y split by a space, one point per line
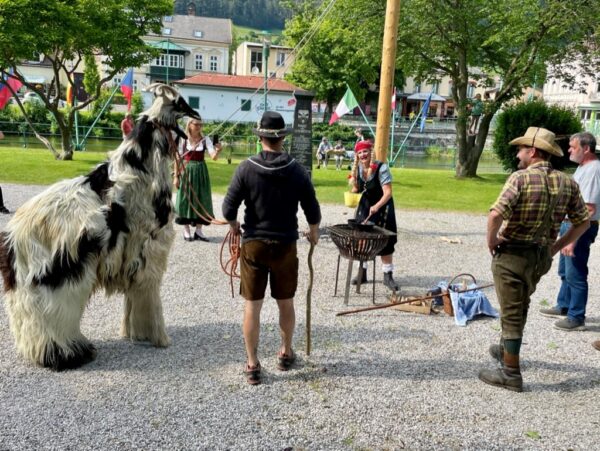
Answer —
347 104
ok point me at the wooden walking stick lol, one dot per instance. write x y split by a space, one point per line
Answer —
309 296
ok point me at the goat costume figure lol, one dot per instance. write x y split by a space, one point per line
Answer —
110 229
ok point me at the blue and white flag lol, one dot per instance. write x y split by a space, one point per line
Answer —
424 112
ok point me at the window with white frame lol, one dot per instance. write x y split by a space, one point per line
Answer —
168 19
166 31
170 60
213 63
280 58
197 34
116 81
199 62
435 87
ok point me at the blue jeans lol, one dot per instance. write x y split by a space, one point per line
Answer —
573 272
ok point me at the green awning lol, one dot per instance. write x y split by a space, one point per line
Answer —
168 46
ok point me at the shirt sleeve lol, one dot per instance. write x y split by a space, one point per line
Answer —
577 210
508 197
385 176
235 195
209 147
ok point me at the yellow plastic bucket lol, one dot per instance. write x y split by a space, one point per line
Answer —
351 199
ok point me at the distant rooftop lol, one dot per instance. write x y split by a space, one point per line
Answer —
237 81
197 28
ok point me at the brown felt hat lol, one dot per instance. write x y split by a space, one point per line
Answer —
540 138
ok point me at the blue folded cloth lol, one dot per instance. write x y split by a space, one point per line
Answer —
468 305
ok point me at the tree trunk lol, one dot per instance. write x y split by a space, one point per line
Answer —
471 147
65 135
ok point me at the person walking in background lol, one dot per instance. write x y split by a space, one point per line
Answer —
573 264
127 125
531 206
194 197
322 150
374 179
271 185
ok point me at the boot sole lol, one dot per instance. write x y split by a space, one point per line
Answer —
507 387
571 329
553 315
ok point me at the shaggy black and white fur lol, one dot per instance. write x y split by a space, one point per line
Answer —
110 229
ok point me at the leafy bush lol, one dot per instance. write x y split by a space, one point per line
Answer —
515 119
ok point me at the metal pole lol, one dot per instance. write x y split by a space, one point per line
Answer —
99 115
388 65
168 45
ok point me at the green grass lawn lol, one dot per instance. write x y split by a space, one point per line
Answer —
420 189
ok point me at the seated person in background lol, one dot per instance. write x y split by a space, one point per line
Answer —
338 152
323 149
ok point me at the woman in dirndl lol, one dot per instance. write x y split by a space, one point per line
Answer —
194 198
373 179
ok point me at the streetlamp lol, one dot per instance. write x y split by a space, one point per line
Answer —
265 53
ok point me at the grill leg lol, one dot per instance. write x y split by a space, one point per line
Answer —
361 270
337 275
348 279
374 260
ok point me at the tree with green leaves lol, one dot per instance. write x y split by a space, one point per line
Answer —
515 40
67 33
330 53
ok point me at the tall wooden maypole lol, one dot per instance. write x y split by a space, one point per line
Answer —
388 66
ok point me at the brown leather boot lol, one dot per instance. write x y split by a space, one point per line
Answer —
508 377
497 351
596 345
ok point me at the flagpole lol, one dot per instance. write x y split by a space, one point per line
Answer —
99 115
392 137
400 148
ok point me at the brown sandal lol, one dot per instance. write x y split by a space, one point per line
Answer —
285 361
252 374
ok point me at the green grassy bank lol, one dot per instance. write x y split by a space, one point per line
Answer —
413 188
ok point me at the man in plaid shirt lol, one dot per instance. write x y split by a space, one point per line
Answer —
532 205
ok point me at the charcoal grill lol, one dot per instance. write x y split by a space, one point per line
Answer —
359 245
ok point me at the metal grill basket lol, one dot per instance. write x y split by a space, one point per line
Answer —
358 244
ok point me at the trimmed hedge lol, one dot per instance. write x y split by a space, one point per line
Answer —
515 119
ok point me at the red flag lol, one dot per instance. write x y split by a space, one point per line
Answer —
394 99
5 93
127 87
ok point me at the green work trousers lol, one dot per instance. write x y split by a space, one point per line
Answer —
517 269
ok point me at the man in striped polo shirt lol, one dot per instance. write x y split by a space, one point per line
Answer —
522 235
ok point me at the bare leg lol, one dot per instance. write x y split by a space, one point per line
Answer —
251 329
287 323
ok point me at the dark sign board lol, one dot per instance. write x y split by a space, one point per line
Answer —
301 148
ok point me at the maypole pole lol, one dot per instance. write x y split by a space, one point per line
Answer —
388 66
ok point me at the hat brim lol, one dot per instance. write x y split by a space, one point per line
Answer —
542 144
272 133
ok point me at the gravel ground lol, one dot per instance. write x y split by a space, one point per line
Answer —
376 380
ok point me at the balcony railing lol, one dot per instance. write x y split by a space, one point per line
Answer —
160 72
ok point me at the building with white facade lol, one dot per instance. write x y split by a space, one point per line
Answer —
585 102
248 59
237 98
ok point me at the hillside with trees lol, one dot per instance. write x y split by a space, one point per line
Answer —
262 14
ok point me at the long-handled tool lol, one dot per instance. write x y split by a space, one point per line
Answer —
408 301
309 296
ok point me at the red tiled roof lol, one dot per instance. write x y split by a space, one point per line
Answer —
237 81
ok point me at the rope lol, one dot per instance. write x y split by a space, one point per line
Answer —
230 266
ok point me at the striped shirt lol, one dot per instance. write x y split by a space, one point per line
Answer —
526 197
